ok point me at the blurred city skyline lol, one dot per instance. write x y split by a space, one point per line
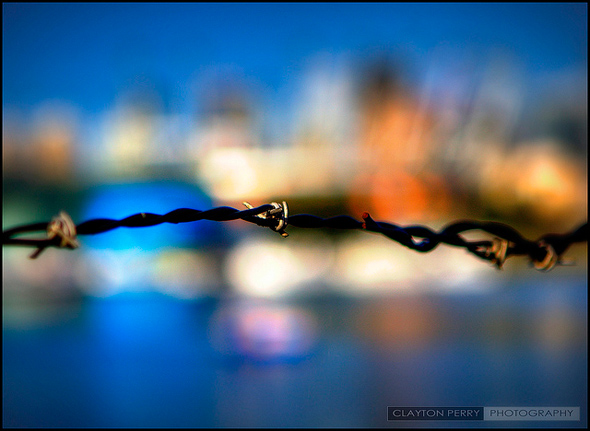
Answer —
416 113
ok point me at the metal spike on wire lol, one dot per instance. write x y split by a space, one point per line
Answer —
545 253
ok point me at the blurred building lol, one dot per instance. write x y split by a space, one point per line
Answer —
41 149
396 179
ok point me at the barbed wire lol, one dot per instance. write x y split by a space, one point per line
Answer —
545 253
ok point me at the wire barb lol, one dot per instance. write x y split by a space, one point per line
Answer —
551 258
62 227
279 213
498 252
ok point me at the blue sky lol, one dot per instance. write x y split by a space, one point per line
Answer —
87 53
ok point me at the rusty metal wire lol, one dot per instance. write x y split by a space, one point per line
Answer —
545 252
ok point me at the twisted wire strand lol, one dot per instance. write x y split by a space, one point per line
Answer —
545 252
424 239
96 226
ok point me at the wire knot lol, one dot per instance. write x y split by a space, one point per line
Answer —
61 226
279 214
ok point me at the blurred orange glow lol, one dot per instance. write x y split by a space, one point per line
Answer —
396 143
411 322
539 179
55 153
395 194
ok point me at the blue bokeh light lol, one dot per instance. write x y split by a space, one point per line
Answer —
122 200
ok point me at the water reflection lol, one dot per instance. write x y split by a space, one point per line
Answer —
152 360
